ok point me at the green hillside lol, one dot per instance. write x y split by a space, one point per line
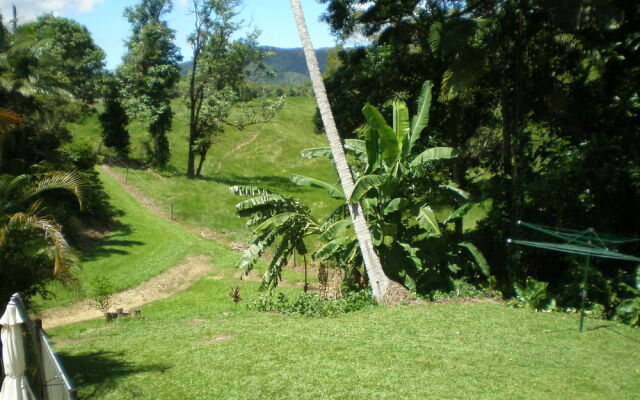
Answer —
262 155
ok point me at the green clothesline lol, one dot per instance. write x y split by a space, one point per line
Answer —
587 237
585 242
575 249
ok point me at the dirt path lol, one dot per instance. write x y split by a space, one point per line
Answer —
170 282
237 148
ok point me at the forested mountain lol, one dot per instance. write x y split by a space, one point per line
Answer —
288 65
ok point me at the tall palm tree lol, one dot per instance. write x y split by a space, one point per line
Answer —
378 279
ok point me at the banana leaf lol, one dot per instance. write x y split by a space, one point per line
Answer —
363 185
421 119
388 140
428 221
433 154
478 257
300 180
336 229
316 152
458 213
395 205
401 124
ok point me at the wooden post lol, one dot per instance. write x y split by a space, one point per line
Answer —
306 283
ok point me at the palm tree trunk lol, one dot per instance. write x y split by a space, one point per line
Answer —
377 278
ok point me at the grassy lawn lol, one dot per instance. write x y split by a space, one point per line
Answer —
200 345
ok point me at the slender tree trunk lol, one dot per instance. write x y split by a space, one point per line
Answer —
203 156
379 281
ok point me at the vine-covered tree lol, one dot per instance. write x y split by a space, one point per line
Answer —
114 119
149 72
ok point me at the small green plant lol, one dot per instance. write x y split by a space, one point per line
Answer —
533 294
100 293
312 305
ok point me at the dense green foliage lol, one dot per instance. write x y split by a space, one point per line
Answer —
33 250
44 84
149 72
540 97
78 61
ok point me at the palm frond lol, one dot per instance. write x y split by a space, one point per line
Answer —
64 255
70 181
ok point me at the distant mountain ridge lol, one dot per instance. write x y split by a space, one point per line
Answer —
288 65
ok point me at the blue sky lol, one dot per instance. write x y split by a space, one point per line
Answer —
104 18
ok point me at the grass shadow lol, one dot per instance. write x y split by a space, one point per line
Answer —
96 373
111 243
610 328
272 182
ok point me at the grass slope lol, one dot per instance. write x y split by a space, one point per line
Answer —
142 246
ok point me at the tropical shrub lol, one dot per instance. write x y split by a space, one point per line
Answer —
533 294
281 222
416 248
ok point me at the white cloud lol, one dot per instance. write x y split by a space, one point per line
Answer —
30 9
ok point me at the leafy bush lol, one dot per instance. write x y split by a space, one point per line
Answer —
79 153
312 305
533 294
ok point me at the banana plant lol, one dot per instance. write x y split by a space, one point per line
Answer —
383 187
278 221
